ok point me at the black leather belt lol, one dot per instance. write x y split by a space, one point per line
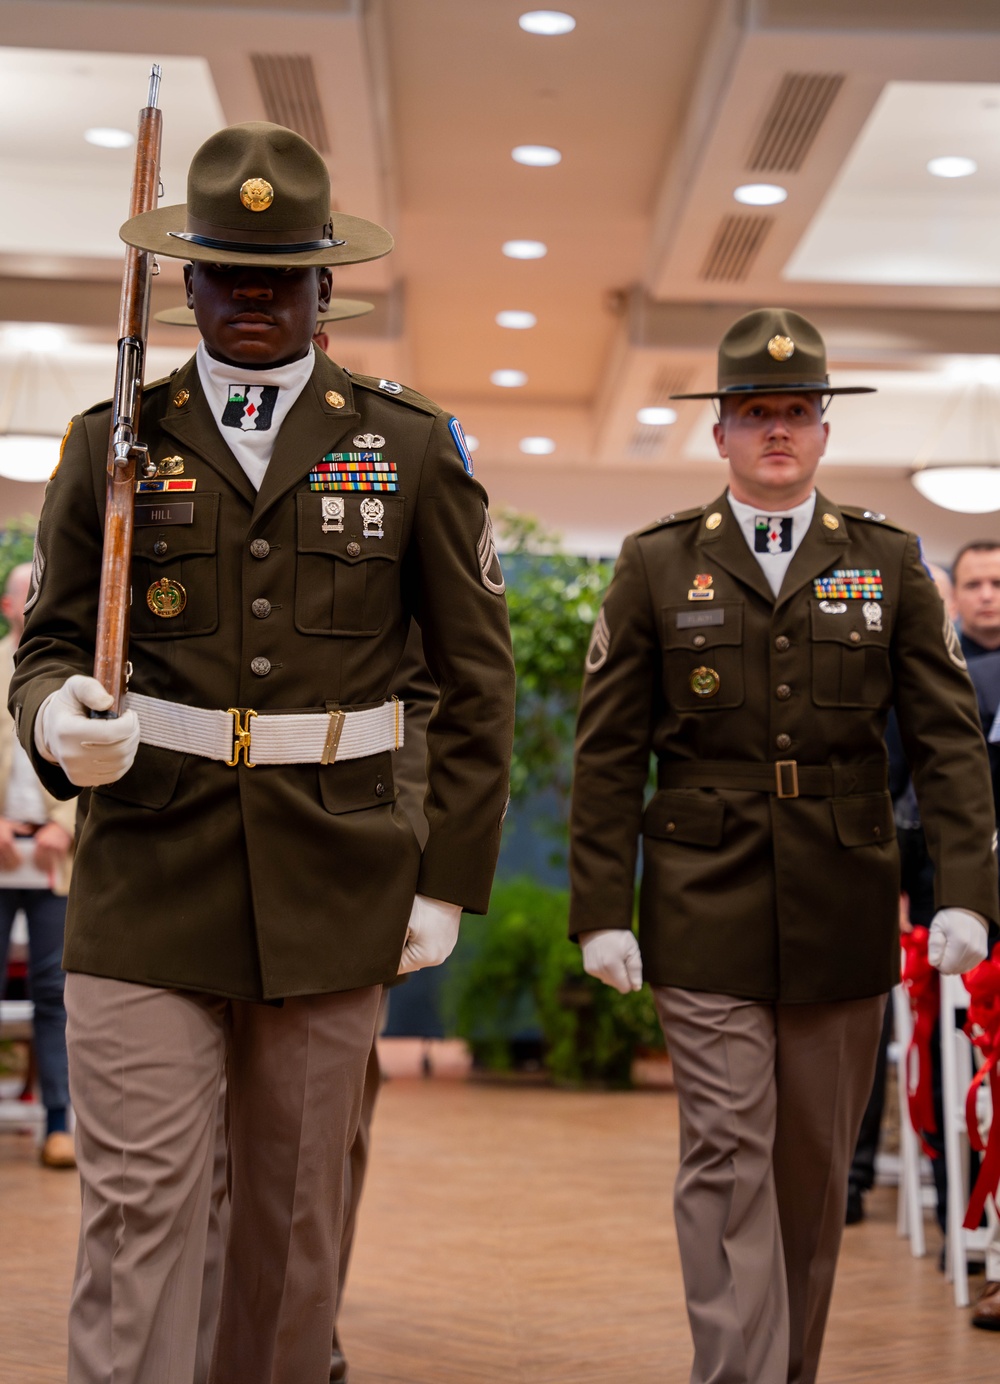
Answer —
786 778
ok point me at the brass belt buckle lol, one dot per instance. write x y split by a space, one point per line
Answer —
333 733
241 736
779 778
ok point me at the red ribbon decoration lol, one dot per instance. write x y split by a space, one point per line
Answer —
922 984
983 1029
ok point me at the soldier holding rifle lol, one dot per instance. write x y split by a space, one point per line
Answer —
246 881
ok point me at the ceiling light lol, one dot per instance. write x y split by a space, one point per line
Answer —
509 379
536 155
656 417
965 489
472 442
34 336
515 319
547 22
760 194
537 446
28 456
525 249
107 137
952 166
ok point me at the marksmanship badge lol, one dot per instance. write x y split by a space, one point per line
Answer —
333 514
372 512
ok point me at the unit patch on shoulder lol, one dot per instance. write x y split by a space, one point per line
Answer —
62 446
455 428
600 643
489 561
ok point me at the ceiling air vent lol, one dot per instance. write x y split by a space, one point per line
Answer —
648 443
735 247
287 84
788 129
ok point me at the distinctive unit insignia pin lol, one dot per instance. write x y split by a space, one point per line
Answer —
781 348
170 466
166 598
333 514
372 512
256 194
704 682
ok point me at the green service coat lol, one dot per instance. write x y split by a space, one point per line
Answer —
278 880
746 893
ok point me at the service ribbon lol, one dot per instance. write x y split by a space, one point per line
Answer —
923 987
983 1029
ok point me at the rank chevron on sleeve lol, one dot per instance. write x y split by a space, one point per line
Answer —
354 471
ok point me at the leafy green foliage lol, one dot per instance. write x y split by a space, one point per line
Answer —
517 968
17 543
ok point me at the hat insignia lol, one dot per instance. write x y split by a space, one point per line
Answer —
781 348
256 194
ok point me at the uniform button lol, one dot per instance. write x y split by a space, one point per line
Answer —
380 789
159 547
260 666
261 608
783 741
782 642
698 641
671 826
783 691
855 637
876 831
353 549
260 547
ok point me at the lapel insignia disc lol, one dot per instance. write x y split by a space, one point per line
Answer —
713 521
334 399
166 598
372 512
181 398
704 682
333 514
830 521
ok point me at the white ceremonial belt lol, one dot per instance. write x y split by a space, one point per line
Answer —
310 737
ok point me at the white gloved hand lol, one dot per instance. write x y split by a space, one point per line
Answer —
957 941
431 934
612 955
88 752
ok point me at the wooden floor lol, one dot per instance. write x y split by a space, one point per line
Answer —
518 1234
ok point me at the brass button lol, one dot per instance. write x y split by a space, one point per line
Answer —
260 666
261 608
855 637
671 826
260 547
783 691
353 549
876 831
783 741
159 547
698 641
380 789
782 643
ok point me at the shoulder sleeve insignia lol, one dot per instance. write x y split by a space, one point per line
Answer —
62 447
455 428
600 643
952 643
489 561
37 572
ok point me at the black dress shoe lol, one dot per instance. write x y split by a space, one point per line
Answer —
855 1205
986 1312
338 1367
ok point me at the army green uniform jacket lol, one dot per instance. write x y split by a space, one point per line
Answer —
748 890
278 880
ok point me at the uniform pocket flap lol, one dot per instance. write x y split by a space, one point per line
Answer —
357 783
352 527
152 780
864 819
693 818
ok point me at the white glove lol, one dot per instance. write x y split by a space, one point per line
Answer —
957 941
612 955
431 934
88 752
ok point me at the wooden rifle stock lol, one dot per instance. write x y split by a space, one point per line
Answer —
124 451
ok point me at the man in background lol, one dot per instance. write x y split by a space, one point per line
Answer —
36 844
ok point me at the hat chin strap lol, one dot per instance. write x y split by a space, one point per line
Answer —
249 247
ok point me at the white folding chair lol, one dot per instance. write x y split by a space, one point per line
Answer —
910 1198
19 1114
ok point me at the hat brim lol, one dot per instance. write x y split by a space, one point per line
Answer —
742 393
340 310
151 230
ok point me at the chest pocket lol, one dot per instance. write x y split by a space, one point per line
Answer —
347 561
182 555
850 662
703 664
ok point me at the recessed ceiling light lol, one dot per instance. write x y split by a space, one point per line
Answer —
509 379
952 166
547 22
537 446
525 249
515 319
964 489
656 417
106 137
536 155
760 194
472 442
27 456
34 336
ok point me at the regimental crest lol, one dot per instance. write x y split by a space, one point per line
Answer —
600 643
489 561
250 407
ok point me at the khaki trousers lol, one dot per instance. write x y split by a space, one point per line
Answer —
771 1098
145 1072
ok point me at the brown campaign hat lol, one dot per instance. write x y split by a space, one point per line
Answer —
258 194
773 351
340 310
